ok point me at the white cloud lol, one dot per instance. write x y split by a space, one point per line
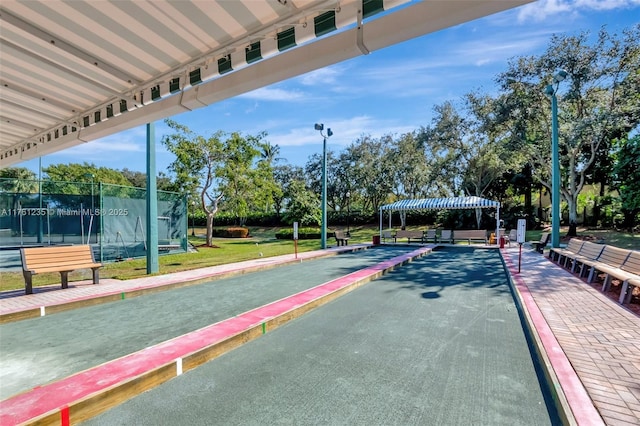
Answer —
542 9
322 76
273 94
345 131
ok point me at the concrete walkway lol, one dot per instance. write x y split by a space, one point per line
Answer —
592 342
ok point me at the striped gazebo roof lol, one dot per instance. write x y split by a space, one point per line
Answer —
442 203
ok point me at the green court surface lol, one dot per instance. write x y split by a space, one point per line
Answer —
40 350
438 341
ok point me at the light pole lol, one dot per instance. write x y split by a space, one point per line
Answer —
323 229
551 91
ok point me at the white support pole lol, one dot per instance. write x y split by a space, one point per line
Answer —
498 225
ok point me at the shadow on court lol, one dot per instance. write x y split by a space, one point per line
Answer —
436 342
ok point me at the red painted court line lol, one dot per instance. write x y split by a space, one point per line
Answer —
65 392
581 405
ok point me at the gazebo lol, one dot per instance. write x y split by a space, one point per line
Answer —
443 204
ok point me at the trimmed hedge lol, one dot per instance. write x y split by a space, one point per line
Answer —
303 234
236 232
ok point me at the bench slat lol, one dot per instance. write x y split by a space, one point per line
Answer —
65 268
632 263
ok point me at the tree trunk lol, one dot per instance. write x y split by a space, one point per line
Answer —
573 217
210 229
540 204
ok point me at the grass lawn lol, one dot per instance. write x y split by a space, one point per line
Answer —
262 243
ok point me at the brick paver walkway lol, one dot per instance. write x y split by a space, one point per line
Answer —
600 338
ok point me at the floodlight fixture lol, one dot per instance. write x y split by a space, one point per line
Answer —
319 126
560 76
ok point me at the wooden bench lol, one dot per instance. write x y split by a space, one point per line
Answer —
542 242
415 235
470 235
617 263
341 238
62 259
573 248
610 260
588 252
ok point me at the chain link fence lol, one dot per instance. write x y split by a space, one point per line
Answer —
112 218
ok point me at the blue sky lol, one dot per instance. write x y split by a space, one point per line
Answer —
392 90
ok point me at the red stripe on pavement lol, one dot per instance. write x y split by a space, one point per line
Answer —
581 405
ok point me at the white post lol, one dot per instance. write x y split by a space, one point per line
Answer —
498 225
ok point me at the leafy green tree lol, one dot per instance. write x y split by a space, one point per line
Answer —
304 205
447 142
313 174
370 171
596 103
139 180
285 176
626 172
224 167
237 177
18 180
197 162
412 168
81 176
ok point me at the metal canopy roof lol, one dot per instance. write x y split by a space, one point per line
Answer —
442 203
76 71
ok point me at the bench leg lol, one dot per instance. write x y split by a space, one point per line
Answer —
64 278
96 276
624 297
573 267
607 283
28 283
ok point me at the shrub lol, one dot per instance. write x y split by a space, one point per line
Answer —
235 232
303 234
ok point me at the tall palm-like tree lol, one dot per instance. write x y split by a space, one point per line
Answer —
269 153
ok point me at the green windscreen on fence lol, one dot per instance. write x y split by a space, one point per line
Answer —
111 218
